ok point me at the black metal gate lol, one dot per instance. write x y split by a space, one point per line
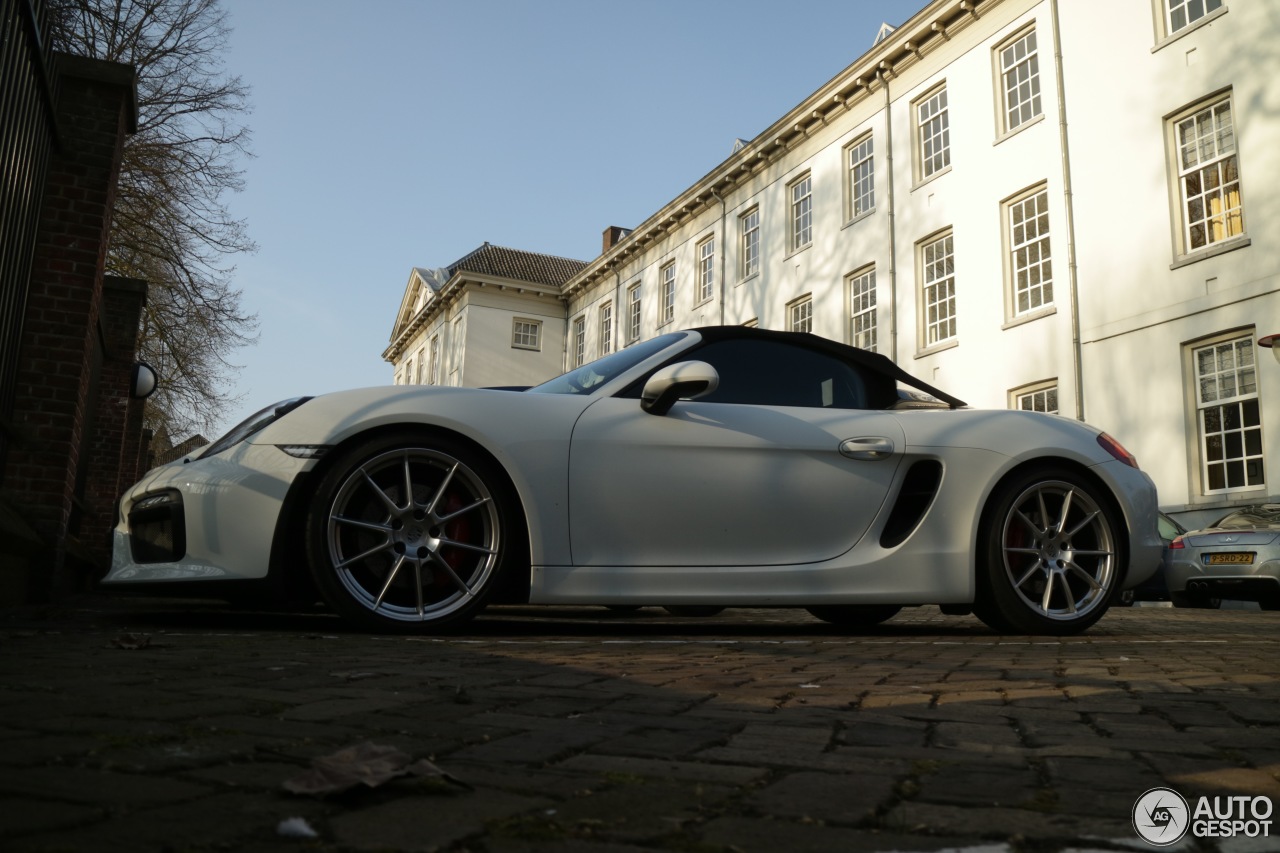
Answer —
27 133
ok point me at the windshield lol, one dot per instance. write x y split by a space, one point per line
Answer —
589 377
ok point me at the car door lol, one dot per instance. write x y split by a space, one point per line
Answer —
777 467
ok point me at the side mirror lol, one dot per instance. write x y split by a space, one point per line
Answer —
142 382
687 380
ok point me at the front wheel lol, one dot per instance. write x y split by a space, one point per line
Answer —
1050 554
408 534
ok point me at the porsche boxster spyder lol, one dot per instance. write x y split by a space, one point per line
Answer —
714 467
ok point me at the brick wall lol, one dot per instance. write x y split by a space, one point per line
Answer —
69 329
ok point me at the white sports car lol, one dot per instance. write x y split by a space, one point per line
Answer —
715 467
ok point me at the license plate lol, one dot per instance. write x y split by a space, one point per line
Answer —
1228 559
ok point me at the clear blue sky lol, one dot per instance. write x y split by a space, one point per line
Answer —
412 132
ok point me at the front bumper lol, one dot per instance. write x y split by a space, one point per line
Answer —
208 519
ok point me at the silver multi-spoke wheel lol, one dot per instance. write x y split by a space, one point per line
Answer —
410 534
1053 555
1058 550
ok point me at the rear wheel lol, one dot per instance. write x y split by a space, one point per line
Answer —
854 615
408 534
1051 554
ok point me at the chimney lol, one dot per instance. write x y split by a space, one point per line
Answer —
612 236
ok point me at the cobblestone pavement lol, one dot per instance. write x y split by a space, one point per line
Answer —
162 725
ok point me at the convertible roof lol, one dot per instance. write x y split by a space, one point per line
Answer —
870 360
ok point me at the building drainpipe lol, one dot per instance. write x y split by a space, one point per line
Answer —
893 235
617 309
1073 281
724 211
564 356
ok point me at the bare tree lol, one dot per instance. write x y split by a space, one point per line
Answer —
172 227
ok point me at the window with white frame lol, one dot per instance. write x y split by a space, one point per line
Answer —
667 276
633 314
938 290
1030 262
1208 175
526 334
749 225
862 309
579 341
706 269
1037 398
433 370
800 314
421 376
933 133
407 376
753 323
1020 79
860 157
802 213
606 328
1227 415
1180 14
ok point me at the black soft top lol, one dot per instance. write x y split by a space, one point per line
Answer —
863 358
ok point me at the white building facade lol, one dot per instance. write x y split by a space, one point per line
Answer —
494 317
1041 204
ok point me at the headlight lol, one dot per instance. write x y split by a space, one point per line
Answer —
305 451
252 424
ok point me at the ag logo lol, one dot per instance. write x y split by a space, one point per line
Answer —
1161 817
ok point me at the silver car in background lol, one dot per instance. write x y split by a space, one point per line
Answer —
1237 557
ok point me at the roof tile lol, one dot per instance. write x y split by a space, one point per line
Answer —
518 265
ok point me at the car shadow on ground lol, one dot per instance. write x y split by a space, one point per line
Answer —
135 613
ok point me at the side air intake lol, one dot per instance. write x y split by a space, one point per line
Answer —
918 490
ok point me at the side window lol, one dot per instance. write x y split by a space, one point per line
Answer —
771 373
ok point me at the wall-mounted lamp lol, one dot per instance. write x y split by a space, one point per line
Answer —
1271 342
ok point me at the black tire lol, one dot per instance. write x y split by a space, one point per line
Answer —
409 534
693 609
854 615
1051 554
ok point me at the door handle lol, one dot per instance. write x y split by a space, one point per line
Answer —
871 448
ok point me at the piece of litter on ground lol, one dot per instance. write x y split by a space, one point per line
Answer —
367 764
131 641
296 827
355 676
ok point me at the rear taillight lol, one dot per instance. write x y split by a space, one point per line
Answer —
1117 450
1177 544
